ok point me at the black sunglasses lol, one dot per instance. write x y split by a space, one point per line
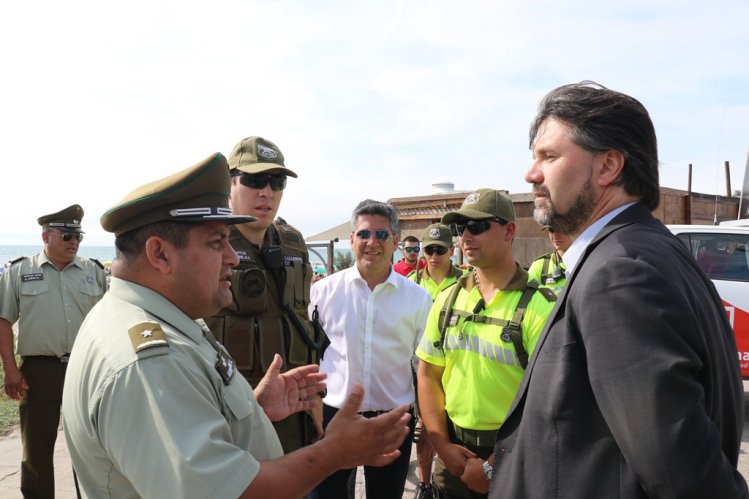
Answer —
277 181
365 234
475 227
411 249
67 236
430 250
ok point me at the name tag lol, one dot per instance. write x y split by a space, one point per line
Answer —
288 261
32 277
225 367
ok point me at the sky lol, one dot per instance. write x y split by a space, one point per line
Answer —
365 99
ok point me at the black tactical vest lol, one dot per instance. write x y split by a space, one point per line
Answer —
270 294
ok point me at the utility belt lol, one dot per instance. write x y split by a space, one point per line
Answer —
474 438
48 358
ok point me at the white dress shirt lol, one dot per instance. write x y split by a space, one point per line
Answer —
373 336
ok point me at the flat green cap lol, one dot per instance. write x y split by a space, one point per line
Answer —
257 155
436 234
197 194
67 220
483 204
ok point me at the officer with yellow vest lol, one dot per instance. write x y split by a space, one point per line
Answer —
549 269
477 340
49 294
438 274
271 284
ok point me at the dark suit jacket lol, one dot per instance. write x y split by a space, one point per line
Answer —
634 387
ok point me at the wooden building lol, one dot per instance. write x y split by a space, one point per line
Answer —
676 207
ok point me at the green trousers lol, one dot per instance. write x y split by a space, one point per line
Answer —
39 412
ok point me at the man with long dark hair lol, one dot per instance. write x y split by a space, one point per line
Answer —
634 389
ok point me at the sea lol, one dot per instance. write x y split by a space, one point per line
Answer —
11 252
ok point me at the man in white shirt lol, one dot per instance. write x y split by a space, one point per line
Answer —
374 319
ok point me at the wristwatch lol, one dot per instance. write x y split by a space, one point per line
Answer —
488 470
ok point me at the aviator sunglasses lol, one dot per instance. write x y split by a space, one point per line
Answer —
430 250
475 227
365 234
277 181
67 236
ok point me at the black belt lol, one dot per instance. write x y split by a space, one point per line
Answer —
476 438
374 414
64 359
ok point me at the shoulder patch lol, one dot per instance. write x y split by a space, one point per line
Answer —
97 262
548 294
20 258
147 335
289 236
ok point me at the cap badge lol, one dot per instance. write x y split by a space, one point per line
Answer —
472 198
266 152
434 233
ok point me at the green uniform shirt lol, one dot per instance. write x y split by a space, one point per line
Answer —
432 287
50 304
482 372
160 422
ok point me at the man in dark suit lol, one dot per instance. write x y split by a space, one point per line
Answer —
634 388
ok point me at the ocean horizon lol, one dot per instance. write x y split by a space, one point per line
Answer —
11 252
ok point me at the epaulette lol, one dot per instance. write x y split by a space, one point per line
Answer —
288 235
13 262
147 335
97 262
548 294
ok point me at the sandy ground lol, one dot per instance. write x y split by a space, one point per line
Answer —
11 451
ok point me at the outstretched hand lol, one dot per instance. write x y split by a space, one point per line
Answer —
283 394
371 442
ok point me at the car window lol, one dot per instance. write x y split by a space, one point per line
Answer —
721 256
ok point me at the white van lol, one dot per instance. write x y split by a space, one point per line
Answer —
723 253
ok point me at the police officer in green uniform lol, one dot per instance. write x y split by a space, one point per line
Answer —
271 284
478 336
153 405
49 294
549 269
438 274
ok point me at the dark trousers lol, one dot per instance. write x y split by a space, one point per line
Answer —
386 482
295 432
39 412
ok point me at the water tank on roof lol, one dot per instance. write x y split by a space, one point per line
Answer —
442 187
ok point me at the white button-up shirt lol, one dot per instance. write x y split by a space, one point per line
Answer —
373 336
